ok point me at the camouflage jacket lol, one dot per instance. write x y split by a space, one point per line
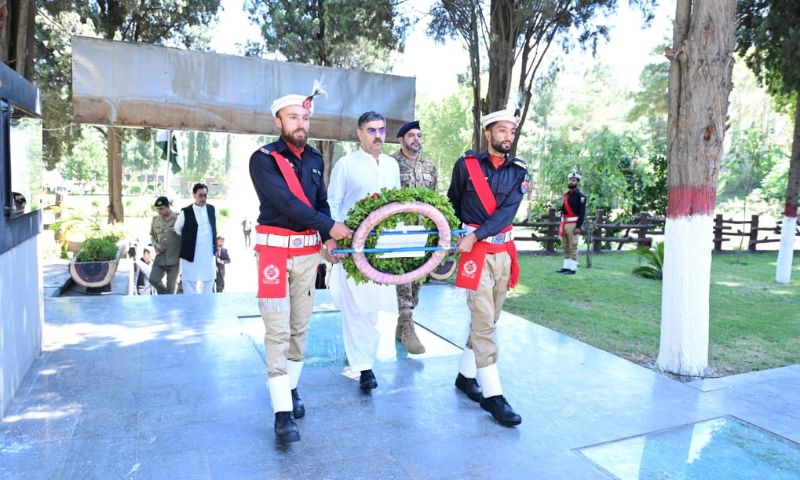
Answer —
416 173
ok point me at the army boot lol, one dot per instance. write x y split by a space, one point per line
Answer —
407 335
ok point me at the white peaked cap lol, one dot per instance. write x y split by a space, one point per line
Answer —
499 116
574 174
289 100
305 101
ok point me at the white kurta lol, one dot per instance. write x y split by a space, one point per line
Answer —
203 268
354 177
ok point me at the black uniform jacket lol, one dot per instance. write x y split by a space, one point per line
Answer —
508 184
577 201
279 207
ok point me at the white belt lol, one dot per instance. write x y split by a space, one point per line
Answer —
287 241
569 219
500 238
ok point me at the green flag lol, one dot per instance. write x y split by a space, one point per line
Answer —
163 139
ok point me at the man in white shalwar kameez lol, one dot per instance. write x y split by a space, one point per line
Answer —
354 177
197 226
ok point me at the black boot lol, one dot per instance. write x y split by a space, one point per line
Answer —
501 410
570 272
367 381
469 386
285 428
298 409
563 270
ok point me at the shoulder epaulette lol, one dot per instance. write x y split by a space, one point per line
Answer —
520 163
314 149
470 153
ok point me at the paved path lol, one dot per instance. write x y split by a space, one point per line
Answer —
163 387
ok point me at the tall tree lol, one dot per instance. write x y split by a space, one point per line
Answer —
156 21
768 41
517 33
349 34
699 86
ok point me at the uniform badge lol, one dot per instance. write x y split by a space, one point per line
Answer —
524 186
469 269
271 274
297 242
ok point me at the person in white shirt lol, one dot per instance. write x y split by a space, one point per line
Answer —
197 226
354 177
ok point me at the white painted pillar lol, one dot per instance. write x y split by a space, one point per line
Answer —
783 272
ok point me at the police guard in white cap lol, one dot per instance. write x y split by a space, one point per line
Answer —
573 210
486 190
294 219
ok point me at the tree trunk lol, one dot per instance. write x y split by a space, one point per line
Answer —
5 30
326 148
26 21
115 211
475 74
699 86
502 38
783 271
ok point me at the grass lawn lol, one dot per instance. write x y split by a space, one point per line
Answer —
755 323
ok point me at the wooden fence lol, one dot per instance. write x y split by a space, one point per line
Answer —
602 233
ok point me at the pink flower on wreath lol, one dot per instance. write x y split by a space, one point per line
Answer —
375 195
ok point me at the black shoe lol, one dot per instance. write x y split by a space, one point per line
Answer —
469 386
367 381
563 270
285 428
298 409
570 272
501 410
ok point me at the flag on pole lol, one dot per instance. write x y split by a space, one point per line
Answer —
163 139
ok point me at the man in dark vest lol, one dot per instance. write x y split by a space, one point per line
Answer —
573 210
486 190
197 226
294 219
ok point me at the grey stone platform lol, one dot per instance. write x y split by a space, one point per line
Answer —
173 387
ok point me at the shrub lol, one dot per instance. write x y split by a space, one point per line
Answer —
654 269
98 249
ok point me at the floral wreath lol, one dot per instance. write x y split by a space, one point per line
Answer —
367 205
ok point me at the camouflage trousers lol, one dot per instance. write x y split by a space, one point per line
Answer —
407 296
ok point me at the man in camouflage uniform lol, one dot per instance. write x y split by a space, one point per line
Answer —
415 171
168 248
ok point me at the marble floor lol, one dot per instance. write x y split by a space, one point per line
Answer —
173 387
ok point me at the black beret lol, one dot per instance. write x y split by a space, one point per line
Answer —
408 126
162 202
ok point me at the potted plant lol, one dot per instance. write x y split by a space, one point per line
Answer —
96 263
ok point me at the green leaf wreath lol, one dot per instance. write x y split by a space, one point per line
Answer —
367 205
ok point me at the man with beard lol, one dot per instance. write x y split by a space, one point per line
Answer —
355 176
415 171
294 218
573 210
486 190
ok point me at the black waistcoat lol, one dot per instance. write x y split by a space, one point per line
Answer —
189 232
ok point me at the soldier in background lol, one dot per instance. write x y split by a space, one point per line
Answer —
168 247
573 211
415 171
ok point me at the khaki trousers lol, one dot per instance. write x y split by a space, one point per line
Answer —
570 242
285 330
157 276
485 306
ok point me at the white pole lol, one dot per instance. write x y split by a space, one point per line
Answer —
169 164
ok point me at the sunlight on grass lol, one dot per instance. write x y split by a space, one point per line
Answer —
729 284
753 321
